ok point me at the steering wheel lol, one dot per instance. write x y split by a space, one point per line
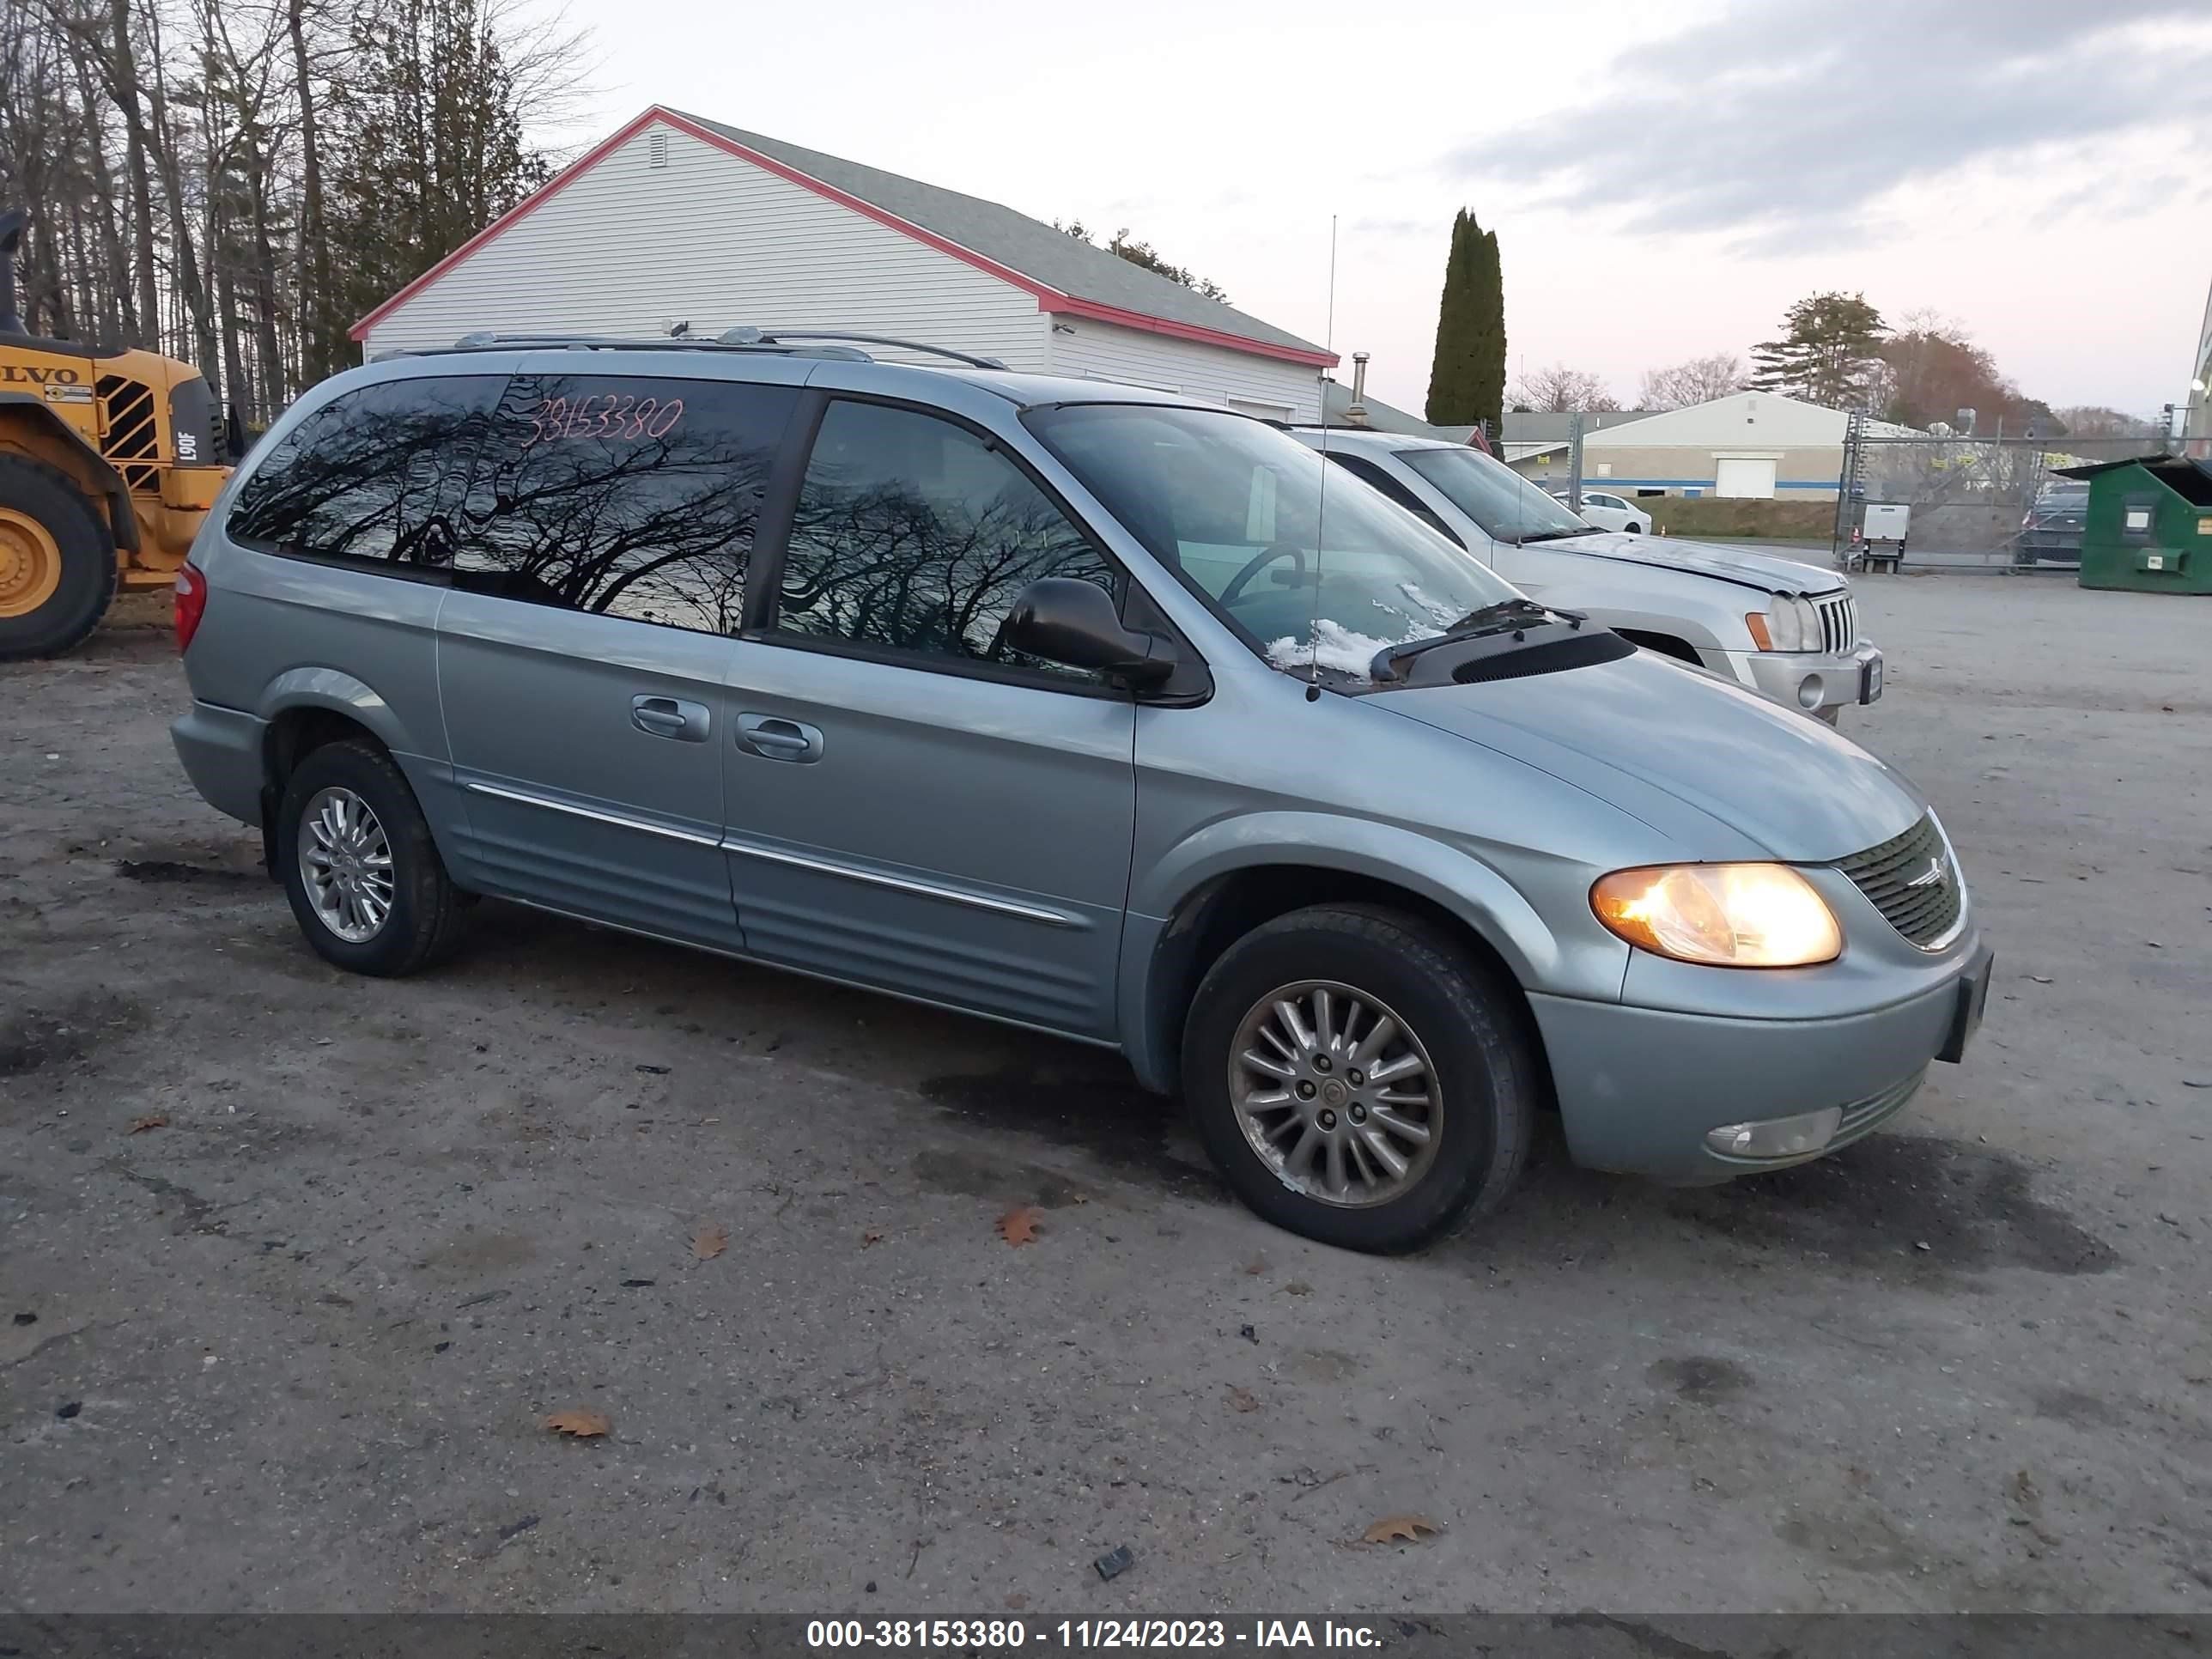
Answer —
1259 561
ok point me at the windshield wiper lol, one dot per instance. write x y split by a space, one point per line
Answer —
1557 535
1503 616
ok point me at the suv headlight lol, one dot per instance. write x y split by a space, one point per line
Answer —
1786 624
1725 915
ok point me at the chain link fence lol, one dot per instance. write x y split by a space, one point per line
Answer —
1992 502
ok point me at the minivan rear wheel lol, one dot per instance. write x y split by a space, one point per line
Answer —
1357 1077
364 875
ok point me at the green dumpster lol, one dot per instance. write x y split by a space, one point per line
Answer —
2150 524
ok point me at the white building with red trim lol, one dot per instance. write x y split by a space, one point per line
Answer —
675 218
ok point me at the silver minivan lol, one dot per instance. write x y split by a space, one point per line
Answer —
1073 705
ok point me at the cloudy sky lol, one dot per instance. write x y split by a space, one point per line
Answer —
1664 178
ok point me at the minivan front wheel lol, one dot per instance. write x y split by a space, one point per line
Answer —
364 875
1357 1077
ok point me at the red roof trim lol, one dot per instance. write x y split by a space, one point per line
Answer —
869 210
1049 298
521 210
1214 336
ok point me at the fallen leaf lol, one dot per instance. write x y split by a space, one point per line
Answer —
582 1424
140 1125
1256 1265
1018 1225
2041 979
871 1237
1244 1399
1018 1601
709 1239
1298 1287
1400 1529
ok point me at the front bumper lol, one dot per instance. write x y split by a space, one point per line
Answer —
2058 543
1810 681
1638 1088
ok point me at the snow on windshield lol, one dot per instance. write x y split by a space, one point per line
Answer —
1348 651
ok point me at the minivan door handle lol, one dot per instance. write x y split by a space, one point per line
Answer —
668 717
774 737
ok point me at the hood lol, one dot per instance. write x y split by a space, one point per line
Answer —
1767 572
1722 773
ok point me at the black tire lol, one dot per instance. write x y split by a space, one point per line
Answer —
88 574
424 922
1486 1069
1634 529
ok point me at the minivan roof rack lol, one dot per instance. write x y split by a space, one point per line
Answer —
756 336
487 340
838 344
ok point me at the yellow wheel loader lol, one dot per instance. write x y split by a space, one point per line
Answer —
109 461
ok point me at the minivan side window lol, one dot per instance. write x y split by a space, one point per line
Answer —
633 497
373 475
913 536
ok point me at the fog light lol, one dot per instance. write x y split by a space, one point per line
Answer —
1809 692
1778 1137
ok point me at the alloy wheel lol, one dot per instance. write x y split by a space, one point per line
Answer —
345 864
1336 1093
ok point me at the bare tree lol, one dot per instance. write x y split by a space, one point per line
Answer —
1700 381
231 180
1558 389
2096 421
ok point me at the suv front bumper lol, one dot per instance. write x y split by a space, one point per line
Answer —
1816 683
1640 1088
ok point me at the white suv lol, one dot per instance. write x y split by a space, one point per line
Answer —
1787 630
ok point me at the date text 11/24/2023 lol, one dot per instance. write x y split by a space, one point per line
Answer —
986 1636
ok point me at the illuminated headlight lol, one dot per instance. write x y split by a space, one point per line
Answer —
1727 916
1778 1137
1786 624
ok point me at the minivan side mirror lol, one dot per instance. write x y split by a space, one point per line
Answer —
1075 623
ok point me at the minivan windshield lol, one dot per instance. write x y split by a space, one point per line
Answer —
1314 566
1507 506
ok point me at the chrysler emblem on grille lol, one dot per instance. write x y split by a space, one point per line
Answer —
1933 876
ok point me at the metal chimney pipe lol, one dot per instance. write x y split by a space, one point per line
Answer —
1357 413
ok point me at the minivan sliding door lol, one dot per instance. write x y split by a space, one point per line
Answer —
583 652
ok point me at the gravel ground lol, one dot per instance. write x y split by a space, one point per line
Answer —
291 1348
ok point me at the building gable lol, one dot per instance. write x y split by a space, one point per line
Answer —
1061 274
658 225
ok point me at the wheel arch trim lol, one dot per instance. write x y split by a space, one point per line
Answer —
338 693
1181 885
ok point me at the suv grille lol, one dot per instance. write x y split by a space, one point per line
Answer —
1839 623
1913 881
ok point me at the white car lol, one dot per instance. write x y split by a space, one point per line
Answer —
1786 631
1610 512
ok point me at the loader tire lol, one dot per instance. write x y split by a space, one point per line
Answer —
57 570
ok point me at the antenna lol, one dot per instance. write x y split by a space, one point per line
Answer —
1321 497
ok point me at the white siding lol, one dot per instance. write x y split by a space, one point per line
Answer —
1106 352
711 239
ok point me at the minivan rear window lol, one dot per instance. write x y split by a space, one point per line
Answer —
372 475
633 497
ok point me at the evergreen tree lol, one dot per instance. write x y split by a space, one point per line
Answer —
1828 354
1467 382
431 143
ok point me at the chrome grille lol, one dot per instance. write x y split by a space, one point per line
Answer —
1914 882
1839 623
